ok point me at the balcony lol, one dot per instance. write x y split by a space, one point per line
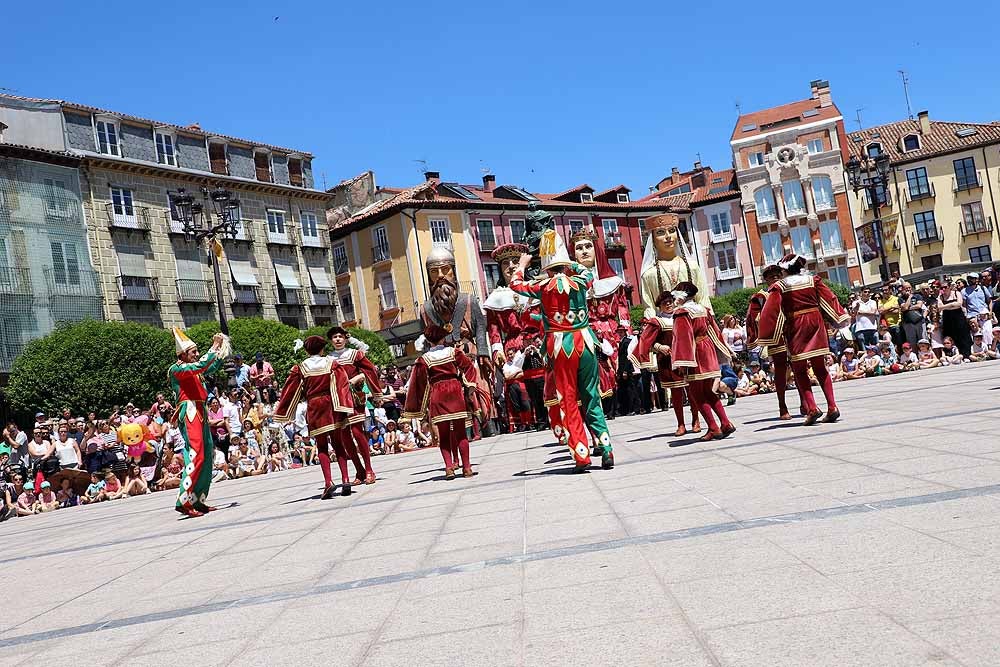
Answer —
929 237
289 297
380 253
244 232
173 226
321 240
137 288
885 203
348 313
977 227
469 287
966 184
728 274
135 218
764 217
195 291
833 250
387 301
323 297
15 281
721 236
72 283
613 241
341 267
60 208
920 195
792 213
487 243
284 237
246 295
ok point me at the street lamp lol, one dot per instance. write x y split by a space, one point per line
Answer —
197 226
870 175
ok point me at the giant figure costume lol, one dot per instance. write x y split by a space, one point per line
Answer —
667 261
570 345
192 418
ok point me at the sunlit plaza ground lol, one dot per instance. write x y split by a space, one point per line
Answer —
872 541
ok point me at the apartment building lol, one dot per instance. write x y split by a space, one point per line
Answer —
789 169
939 209
130 168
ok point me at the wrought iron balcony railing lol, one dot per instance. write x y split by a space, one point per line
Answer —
135 218
247 295
138 288
191 290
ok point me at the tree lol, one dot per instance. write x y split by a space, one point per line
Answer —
92 366
378 350
250 335
636 315
843 293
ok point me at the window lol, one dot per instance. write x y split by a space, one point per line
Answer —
121 204
275 222
622 197
911 142
575 226
618 265
679 190
965 174
217 158
516 230
586 197
725 260
931 261
492 272
346 304
771 244
972 216
55 201
829 231
756 159
610 226
815 146
792 193
165 149
720 223
874 150
65 263
487 237
387 290
262 166
295 171
309 226
340 265
916 182
822 189
380 242
838 274
980 254
107 138
926 229
802 241
764 201
440 233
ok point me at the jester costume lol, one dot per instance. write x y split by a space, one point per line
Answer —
571 347
192 420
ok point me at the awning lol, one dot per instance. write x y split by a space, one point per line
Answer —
320 278
242 271
400 334
286 276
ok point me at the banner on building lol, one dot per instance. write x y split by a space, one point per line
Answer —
869 242
889 229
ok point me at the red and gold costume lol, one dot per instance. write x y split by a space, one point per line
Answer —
652 352
351 429
798 306
698 349
439 381
778 352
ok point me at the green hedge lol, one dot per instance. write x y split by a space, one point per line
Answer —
378 349
250 335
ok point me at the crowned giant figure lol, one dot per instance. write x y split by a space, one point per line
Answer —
667 262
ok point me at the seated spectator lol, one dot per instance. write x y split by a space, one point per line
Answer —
135 483
871 363
950 356
66 496
9 493
925 354
95 492
908 360
390 437
406 441
26 501
980 352
759 380
883 334
220 466
743 386
246 463
833 368
425 436
851 367
276 458
171 465
112 487
375 441
46 500
889 361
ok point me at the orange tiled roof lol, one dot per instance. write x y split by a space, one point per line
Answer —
939 141
727 188
766 119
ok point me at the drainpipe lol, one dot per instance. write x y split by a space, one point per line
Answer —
420 260
746 234
105 301
989 184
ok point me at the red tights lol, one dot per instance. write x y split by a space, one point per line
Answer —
454 443
677 401
352 438
323 445
707 401
800 369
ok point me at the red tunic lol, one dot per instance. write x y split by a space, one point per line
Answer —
325 386
657 330
355 363
753 315
698 345
507 315
437 385
607 305
799 307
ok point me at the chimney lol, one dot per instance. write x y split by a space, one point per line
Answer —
489 182
652 189
820 89
697 165
194 126
925 122
432 176
674 172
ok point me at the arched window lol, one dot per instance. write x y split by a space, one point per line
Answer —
794 201
764 201
823 192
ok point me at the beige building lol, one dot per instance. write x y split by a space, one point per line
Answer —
939 210
279 266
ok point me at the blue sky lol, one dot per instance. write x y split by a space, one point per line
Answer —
545 94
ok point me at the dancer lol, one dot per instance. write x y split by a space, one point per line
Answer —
441 384
327 391
360 371
798 307
779 351
192 418
653 352
570 344
698 349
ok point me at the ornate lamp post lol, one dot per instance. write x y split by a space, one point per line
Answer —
197 225
871 175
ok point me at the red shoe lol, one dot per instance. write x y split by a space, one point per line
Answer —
812 417
711 435
696 427
370 478
728 430
680 431
358 481
190 512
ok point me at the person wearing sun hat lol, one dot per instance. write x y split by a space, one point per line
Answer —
187 381
571 347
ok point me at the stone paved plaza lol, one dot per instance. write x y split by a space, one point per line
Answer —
873 541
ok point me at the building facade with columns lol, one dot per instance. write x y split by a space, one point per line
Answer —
789 170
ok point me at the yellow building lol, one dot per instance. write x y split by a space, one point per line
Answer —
939 210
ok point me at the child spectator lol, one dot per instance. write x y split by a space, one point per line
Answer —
908 360
375 441
759 381
852 369
276 458
112 487
743 386
950 356
833 368
405 441
890 363
46 501
980 352
925 354
425 436
26 501
66 496
95 492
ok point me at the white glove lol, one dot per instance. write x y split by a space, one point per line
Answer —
358 343
420 343
607 348
297 345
